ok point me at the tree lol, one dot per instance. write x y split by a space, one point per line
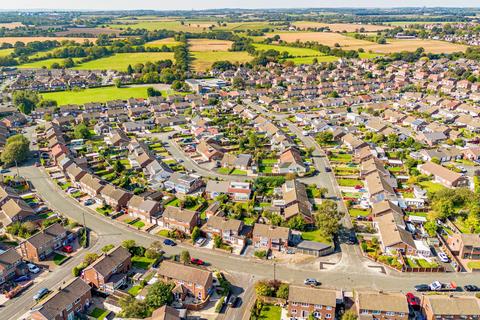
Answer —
118 82
264 289
107 248
133 308
159 294
90 258
282 291
25 101
129 244
217 241
195 233
349 315
16 150
118 166
151 92
328 218
297 223
80 131
185 257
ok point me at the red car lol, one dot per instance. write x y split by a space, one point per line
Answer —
198 262
412 300
67 249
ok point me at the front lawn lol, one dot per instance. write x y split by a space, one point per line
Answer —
315 236
59 259
239 172
224 170
473 265
138 224
349 182
270 312
341 157
99 314
358 212
142 262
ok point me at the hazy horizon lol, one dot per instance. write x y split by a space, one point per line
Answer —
229 4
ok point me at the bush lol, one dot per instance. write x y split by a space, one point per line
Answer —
219 304
261 254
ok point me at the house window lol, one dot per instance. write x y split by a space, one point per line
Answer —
294 304
329 308
294 311
317 315
328 315
318 306
390 313
376 312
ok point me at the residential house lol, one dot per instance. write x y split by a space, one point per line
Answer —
393 234
115 197
465 245
183 183
304 302
230 230
14 210
39 246
109 271
290 161
91 185
269 237
176 218
10 262
145 209
450 307
444 176
381 306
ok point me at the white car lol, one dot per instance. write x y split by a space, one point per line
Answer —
311 282
33 268
443 257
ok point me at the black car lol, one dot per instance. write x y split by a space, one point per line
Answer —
471 288
327 169
233 301
422 288
352 239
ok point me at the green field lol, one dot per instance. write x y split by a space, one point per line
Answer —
120 61
204 60
293 51
44 63
5 52
315 236
102 94
309 60
169 42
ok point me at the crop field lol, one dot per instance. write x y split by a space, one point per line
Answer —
340 27
12 40
293 51
169 42
209 45
11 25
92 31
47 63
120 61
431 46
5 52
325 38
204 60
102 94
309 60
174 25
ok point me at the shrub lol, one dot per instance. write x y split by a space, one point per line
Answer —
219 304
261 254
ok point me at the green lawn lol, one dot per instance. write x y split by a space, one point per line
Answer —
173 203
203 60
5 52
239 172
135 290
44 63
138 224
349 182
120 61
99 314
358 212
309 60
102 94
169 42
431 186
224 170
341 157
473 265
142 262
315 236
59 259
270 312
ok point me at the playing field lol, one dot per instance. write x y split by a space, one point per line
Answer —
209 45
325 38
120 61
5 52
169 42
293 51
340 27
102 94
12 40
204 60
394 45
47 63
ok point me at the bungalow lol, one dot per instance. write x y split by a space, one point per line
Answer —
175 218
194 281
353 142
43 243
444 176
305 302
65 303
109 271
269 237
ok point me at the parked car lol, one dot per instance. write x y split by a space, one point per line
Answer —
311 282
200 241
471 288
413 301
328 169
196 261
443 257
233 301
22 278
67 249
351 239
33 268
40 294
422 288
89 202
169 242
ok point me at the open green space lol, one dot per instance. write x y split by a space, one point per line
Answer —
309 60
102 94
134 290
47 63
120 61
203 60
293 51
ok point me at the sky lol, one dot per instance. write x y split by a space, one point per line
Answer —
210 4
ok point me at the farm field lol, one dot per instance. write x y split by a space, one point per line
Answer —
309 60
209 45
204 60
431 46
47 63
174 25
102 94
120 61
293 51
5 52
11 25
12 40
92 31
169 42
340 27
325 38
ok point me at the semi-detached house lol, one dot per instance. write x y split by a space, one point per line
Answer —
304 302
